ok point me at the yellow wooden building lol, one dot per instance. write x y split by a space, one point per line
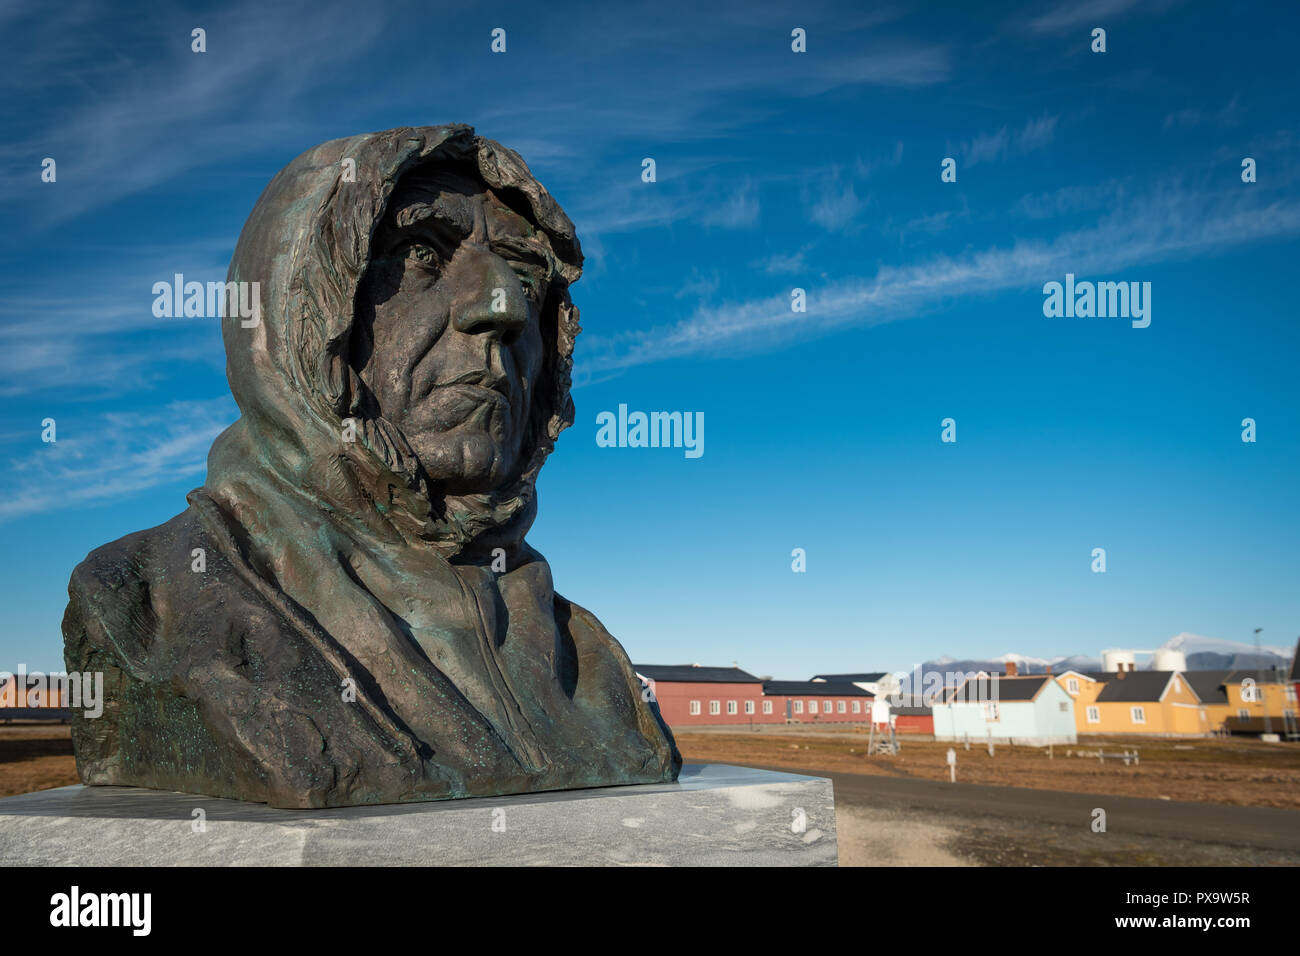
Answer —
1135 702
1244 701
1083 690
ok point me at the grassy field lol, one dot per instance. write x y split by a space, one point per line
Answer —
1236 771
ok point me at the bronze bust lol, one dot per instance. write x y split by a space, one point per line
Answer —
347 612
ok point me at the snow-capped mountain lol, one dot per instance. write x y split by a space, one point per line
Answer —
1191 644
1203 653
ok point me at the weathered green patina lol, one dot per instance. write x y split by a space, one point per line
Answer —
369 625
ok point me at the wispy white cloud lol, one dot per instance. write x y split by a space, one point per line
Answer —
705 188
991 147
87 328
1067 16
1070 200
739 210
1189 116
119 137
108 457
865 167
835 204
681 91
783 263
1171 223
931 223
699 285
101 366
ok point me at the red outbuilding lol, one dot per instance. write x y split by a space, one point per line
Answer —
912 720
693 696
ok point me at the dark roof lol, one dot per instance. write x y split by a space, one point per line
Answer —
871 678
1008 689
684 673
802 688
1295 663
1208 685
1136 686
1262 675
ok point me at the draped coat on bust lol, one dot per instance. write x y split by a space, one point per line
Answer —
348 639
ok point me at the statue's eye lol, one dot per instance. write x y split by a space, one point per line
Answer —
529 263
423 253
531 279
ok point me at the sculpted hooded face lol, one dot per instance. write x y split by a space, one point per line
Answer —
425 302
450 344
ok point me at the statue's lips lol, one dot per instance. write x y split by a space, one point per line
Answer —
477 382
460 402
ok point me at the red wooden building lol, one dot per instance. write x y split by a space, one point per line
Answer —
691 695
912 720
818 702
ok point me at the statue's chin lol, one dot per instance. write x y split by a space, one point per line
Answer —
465 463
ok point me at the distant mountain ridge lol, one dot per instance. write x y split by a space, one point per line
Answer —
1202 653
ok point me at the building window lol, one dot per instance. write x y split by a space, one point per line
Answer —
767 706
798 707
731 707
990 710
1138 715
1094 715
812 706
1290 693
857 706
749 706
1243 714
1072 685
1065 706
842 707
695 708
715 707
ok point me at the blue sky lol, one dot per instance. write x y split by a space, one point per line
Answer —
775 170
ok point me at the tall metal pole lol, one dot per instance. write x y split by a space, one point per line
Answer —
1259 682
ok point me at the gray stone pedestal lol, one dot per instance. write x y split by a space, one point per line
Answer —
715 815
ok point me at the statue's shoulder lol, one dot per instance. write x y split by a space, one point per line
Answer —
600 669
577 620
142 557
594 646
116 593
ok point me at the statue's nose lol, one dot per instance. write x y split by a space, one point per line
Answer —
493 299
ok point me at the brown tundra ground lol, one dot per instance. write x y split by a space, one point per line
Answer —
1233 802
1239 771
35 757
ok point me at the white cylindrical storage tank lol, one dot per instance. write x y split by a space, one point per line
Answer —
1166 659
1112 661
